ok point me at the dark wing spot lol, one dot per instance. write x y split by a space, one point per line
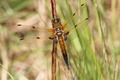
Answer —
22 39
75 25
86 18
19 24
82 4
50 38
33 26
74 14
38 37
21 36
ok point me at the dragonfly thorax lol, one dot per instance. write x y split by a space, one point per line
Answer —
59 33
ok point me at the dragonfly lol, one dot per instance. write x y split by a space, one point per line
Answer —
59 34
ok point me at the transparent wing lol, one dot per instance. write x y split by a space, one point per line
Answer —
76 22
74 16
36 32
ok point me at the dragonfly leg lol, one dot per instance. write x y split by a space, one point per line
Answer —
54 39
65 37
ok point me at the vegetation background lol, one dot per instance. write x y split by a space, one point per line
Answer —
93 47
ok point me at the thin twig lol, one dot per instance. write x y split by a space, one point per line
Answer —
54 50
54 12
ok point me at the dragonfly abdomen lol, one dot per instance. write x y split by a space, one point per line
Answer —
63 50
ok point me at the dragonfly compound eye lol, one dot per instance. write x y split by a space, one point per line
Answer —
56 20
55 40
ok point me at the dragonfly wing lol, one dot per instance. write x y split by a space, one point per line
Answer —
76 26
36 32
74 15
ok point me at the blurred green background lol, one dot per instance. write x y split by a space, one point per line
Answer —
93 47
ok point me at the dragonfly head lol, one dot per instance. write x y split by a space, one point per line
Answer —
56 20
56 23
